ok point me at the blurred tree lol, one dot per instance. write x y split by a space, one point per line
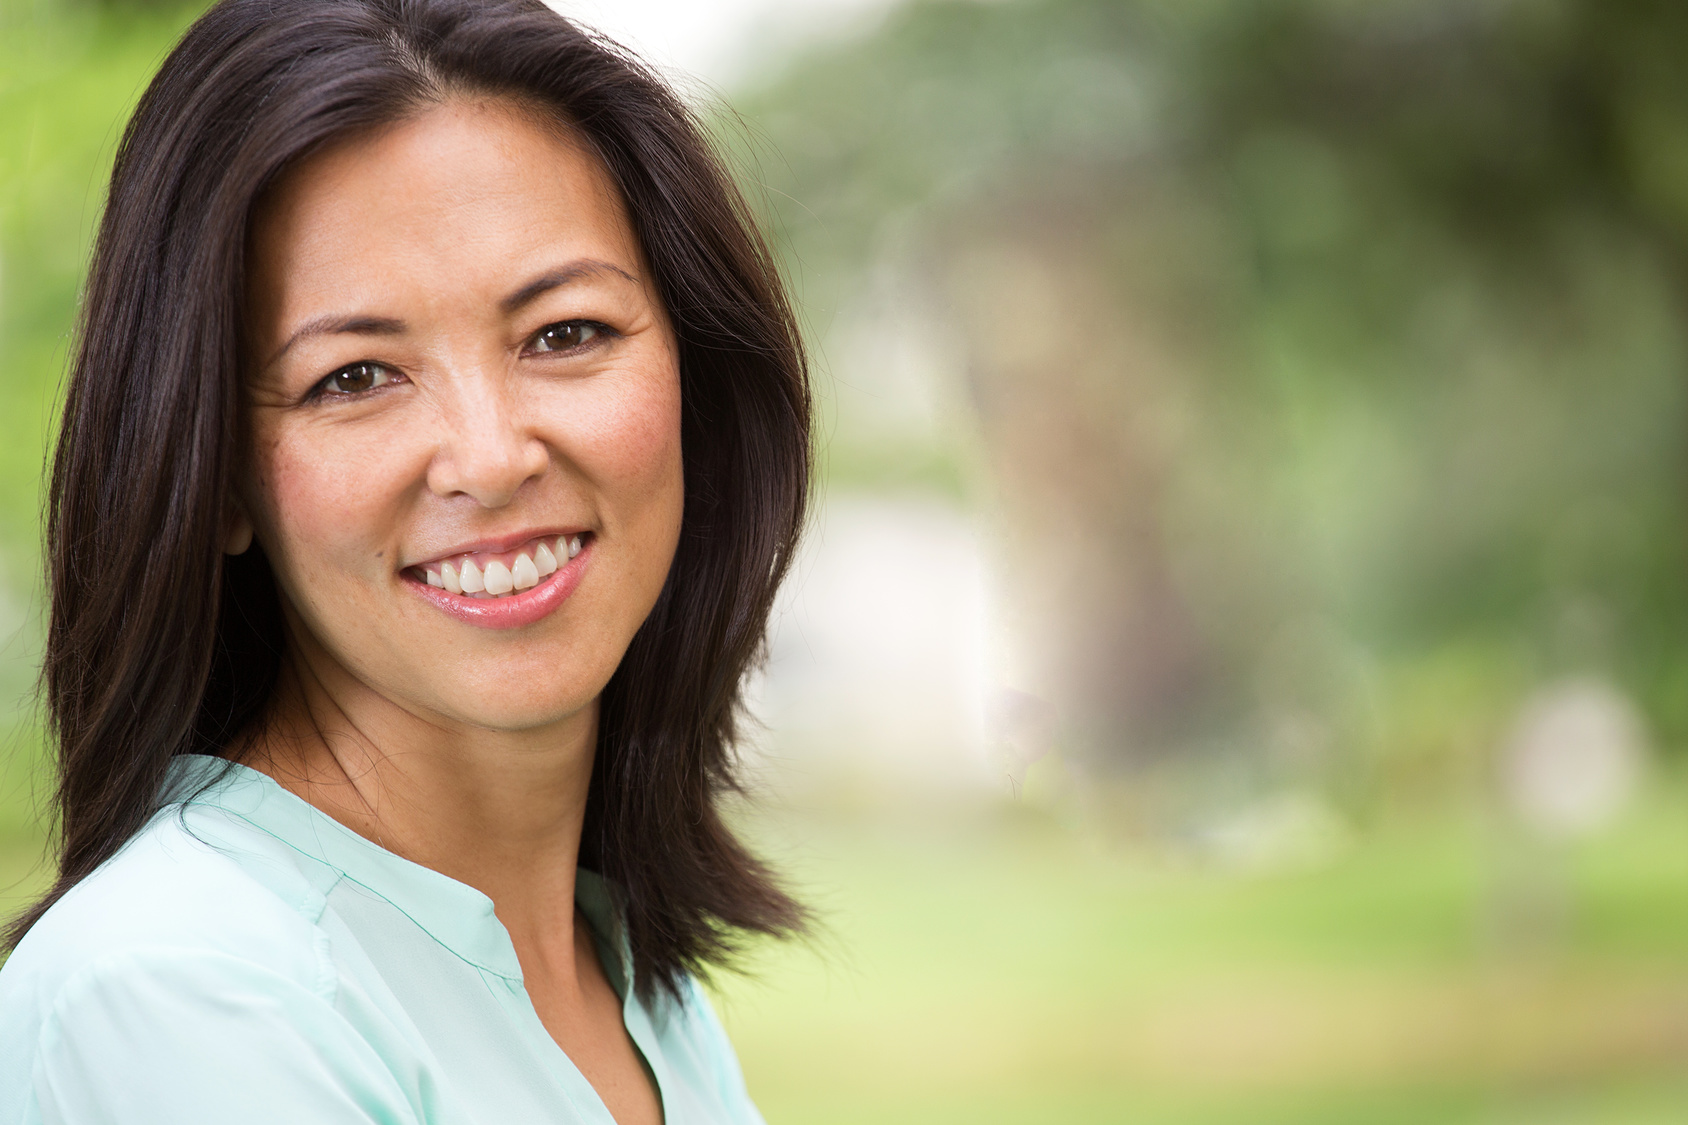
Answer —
1313 346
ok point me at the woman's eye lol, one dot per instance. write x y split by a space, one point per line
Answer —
355 378
566 335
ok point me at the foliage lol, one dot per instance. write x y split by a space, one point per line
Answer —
1310 345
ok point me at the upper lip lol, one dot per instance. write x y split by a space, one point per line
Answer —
497 546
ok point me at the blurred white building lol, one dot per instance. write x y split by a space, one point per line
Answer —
1574 759
879 668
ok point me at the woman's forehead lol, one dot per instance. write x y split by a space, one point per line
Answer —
463 195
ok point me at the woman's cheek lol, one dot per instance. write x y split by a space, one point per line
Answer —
634 441
324 503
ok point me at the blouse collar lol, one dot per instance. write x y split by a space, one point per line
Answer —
452 913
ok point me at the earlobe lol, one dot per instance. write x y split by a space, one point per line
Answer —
237 536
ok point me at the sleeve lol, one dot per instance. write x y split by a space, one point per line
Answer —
193 1038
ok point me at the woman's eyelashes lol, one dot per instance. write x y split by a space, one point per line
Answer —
354 379
569 335
367 375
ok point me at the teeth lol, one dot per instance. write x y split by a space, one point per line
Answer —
522 573
498 580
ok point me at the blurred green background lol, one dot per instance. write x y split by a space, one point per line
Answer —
1239 674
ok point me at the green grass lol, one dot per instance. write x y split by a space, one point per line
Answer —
1003 969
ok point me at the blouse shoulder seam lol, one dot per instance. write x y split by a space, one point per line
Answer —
112 961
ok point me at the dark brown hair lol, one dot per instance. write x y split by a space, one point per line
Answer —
159 645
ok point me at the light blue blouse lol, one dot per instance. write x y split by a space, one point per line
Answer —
247 959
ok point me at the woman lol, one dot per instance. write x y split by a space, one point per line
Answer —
436 440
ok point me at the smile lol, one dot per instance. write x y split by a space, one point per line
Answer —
505 589
501 574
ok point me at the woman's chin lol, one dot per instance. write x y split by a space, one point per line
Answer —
512 708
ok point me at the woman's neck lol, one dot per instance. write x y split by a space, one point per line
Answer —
498 810
501 811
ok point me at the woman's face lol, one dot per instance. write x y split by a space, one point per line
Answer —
459 374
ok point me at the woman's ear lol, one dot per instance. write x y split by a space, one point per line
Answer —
237 529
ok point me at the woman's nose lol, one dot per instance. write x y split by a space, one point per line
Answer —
488 452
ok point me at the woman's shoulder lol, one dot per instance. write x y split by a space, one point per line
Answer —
195 883
197 908
195 877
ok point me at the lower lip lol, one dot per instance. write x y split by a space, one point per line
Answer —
513 610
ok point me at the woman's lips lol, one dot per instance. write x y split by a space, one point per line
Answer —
506 589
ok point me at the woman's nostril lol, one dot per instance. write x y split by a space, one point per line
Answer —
491 474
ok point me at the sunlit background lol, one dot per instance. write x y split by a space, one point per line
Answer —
1238 672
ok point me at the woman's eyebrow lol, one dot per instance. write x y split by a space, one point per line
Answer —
334 324
553 279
